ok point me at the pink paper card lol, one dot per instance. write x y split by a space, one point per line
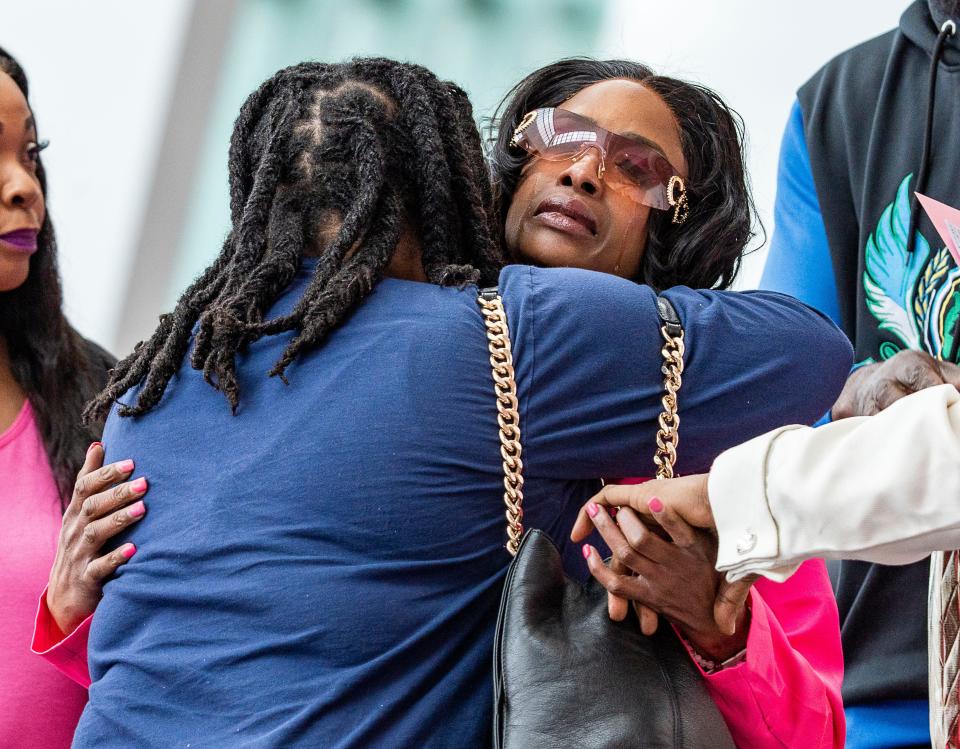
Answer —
946 221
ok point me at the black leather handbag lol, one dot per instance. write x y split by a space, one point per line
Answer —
564 673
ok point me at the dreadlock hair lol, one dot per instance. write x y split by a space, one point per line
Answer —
703 252
58 370
353 150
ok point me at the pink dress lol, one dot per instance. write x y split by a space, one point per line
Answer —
787 693
39 707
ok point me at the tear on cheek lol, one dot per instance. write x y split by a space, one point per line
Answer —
627 240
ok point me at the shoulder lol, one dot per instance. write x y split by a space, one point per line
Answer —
560 314
572 289
857 71
99 363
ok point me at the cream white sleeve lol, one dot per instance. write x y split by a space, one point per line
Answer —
881 489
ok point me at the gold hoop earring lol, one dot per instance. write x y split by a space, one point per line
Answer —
677 198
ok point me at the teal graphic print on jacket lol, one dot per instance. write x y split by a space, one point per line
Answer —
913 296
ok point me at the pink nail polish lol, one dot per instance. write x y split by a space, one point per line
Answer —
139 486
130 551
137 509
592 509
125 466
586 551
93 445
613 511
655 505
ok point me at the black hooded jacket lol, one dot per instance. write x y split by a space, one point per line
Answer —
865 120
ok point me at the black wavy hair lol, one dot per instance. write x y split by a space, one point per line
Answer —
55 366
703 252
353 150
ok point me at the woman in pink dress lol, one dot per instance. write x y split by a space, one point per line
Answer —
583 153
47 373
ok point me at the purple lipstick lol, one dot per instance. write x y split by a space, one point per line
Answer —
21 240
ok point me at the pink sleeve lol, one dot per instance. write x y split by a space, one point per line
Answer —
786 695
67 652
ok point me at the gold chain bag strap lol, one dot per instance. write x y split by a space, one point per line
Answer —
551 628
508 412
508 407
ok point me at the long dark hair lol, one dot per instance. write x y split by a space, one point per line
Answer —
703 252
371 144
56 367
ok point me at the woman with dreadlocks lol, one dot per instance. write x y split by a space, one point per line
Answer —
47 372
323 558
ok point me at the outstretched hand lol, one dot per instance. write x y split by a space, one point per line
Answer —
677 505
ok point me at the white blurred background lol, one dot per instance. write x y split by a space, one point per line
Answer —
138 99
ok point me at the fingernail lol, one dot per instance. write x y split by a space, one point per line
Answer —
136 510
139 486
130 551
93 445
586 551
655 505
613 511
125 466
592 509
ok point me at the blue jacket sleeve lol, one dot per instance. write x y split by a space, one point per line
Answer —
590 381
799 261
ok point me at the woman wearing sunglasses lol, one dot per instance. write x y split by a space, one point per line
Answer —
606 166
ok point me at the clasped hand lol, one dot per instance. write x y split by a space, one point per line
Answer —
662 562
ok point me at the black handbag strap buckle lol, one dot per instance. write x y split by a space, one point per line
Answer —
668 316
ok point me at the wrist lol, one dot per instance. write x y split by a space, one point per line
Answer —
719 648
66 619
716 647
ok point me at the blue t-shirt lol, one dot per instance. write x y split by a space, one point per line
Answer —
324 568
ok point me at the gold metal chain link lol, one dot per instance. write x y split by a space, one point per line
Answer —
508 410
668 435
508 415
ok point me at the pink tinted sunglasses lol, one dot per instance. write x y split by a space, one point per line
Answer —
626 165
